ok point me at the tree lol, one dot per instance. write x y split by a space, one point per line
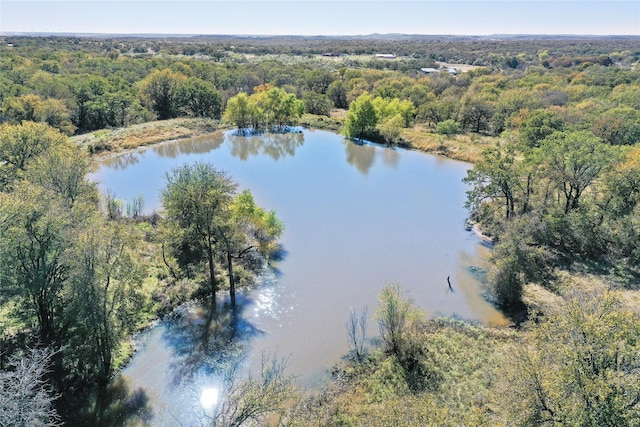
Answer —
319 80
197 200
199 98
538 125
356 332
580 365
518 259
249 229
393 318
572 161
103 280
495 177
618 126
281 109
317 103
159 92
26 399
63 172
388 108
337 92
361 118
242 111
35 109
252 400
390 127
21 144
33 242
476 113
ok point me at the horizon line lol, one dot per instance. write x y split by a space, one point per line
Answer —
143 34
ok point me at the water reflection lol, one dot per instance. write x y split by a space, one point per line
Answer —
122 161
198 145
208 341
361 156
273 144
391 157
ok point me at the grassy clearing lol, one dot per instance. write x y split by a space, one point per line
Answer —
120 139
467 148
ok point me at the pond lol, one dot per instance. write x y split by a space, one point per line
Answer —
356 218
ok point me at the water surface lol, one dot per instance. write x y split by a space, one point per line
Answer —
356 218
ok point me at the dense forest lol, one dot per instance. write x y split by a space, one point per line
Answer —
552 126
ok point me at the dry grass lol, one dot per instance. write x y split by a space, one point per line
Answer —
467 148
540 299
115 140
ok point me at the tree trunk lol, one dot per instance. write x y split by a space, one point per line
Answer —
232 282
212 277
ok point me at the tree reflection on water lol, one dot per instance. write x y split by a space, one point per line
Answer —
276 145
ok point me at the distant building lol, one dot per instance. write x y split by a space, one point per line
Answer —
429 70
385 56
452 70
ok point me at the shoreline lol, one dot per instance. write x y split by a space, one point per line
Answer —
104 143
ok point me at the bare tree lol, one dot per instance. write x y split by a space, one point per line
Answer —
26 399
253 399
356 331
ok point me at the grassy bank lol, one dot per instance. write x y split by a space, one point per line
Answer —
139 135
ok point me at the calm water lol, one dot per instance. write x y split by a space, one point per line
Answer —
356 216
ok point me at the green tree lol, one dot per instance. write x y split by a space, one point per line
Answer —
63 172
317 103
159 92
618 126
518 259
572 161
578 366
249 229
390 127
242 111
104 278
337 92
199 98
496 177
281 109
319 80
35 109
538 125
21 144
476 113
387 108
35 229
361 118
197 200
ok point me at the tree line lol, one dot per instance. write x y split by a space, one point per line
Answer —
105 85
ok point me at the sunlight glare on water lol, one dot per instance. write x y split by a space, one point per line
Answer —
209 397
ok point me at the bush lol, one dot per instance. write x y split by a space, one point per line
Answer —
448 127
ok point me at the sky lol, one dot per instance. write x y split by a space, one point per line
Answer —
322 17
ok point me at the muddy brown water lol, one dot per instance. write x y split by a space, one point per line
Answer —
357 217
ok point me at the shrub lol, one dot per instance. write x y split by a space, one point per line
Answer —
448 127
